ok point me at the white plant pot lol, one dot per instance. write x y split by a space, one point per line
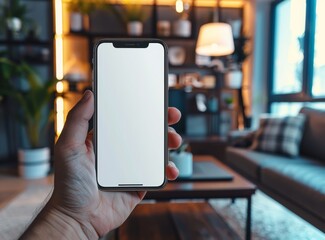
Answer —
135 28
76 21
33 163
233 79
14 24
184 163
182 28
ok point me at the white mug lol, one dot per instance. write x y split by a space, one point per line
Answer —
184 163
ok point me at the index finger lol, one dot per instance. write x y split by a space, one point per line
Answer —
174 115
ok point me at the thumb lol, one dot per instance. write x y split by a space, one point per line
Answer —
76 126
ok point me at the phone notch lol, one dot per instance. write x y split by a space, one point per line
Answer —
131 44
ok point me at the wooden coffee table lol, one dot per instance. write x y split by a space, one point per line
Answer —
239 187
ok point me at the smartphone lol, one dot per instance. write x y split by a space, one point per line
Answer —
130 120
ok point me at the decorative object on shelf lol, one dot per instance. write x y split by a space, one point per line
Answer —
135 28
45 54
79 14
201 102
13 13
212 104
163 28
190 80
229 101
202 60
172 80
182 27
208 81
33 115
176 55
76 24
233 77
183 160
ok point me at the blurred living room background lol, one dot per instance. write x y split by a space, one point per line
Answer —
251 89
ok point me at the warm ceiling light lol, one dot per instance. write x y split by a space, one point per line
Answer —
215 39
179 6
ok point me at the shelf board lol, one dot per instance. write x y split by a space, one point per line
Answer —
190 68
123 35
25 42
207 113
176 38
102 35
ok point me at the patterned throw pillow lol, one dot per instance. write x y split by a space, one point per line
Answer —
279 135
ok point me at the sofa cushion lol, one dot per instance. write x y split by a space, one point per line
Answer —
249 162
303 183
313 142
281 135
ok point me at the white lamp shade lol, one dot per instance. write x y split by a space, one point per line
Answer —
215 39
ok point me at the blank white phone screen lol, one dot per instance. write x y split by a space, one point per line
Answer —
130 116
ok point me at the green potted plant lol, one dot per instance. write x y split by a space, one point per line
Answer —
79 13
133 15
229 101
32 99
183 160
13 13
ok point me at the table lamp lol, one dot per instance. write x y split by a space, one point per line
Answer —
215 40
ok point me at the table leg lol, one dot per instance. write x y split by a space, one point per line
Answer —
248 218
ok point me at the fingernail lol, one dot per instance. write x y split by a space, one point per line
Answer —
86 96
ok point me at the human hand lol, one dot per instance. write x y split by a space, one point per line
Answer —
76 196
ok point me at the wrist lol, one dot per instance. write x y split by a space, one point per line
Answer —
55 223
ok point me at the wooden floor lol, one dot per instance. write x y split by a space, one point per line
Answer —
11 185
175 221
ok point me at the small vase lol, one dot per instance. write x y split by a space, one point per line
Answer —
135 28
33 163
182 28
233 79
76 21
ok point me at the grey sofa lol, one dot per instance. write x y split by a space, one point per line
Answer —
297 183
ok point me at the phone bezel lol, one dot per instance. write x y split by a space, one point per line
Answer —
131 43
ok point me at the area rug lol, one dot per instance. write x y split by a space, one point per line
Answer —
15 217
270 220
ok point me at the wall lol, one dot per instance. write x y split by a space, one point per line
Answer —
261 11
37 15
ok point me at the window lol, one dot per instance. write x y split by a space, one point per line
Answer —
293 108
289 38
318 89
297 67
